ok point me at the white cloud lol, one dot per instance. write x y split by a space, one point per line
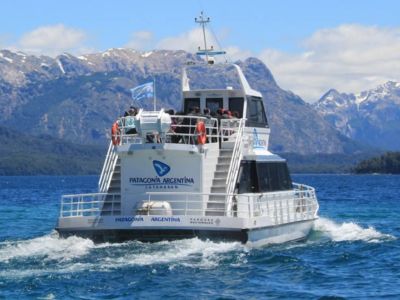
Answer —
188 41
141 40
53 40
191 40
350 58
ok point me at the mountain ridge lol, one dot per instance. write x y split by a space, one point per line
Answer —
78 98
371 117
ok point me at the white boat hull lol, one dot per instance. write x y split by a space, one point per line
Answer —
158 228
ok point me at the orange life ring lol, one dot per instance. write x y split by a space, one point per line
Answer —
201 133
115 134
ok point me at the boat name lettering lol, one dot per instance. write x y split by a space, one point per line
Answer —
157 180
129 219
201 221
165 219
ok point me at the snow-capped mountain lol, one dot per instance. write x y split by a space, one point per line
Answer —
371 117
77 98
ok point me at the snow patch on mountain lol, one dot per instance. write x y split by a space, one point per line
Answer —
371 116
60 65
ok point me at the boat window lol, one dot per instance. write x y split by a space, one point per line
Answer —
214 103
273 176
256 113
261 177
190 103
247 182
236 104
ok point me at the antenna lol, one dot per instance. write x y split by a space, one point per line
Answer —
203 20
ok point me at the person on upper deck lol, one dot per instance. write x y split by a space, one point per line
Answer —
130 121
207 113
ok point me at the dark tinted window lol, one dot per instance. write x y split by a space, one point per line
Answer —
247 182
256 113
259 177
236 104
273 176
214 103
190 103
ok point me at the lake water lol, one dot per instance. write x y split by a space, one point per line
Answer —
352 253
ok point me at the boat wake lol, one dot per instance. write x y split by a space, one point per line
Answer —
51 254
349 231
48 247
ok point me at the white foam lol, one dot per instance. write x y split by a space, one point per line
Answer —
52 255
50 247
190 253
350 231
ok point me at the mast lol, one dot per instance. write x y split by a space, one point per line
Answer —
203 20
154 94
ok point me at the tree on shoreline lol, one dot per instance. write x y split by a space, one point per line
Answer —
386 163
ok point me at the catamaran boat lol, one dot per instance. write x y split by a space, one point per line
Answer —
168 177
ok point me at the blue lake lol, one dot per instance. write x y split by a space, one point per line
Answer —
352 253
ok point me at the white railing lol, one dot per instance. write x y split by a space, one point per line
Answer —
234 164
86 205
287 206
108 169
182 131
228 129
281 207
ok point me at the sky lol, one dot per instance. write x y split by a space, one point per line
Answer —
310 46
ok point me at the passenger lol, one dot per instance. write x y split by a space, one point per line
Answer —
132 111
219 117
210 125
207 113
236 115
130 126
174 123
184 129
193 123
196 111
226 114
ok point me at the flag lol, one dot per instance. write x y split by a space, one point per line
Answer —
143 91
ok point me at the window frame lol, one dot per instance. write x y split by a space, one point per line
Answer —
251 122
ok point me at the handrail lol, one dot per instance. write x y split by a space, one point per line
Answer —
183 131
293 205
108 169
90 204
102 174
234 164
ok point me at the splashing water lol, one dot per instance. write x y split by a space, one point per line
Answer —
53 255
349 232
78 254
48 247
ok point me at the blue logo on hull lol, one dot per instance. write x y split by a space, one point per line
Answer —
161 168
257 143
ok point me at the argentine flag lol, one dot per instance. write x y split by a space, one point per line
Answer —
143 91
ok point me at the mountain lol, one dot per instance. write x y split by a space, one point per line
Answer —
23 154
371 117
78 98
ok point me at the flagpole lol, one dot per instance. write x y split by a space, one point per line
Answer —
154 94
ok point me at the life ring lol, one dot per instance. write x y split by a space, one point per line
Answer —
115 132
201 133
